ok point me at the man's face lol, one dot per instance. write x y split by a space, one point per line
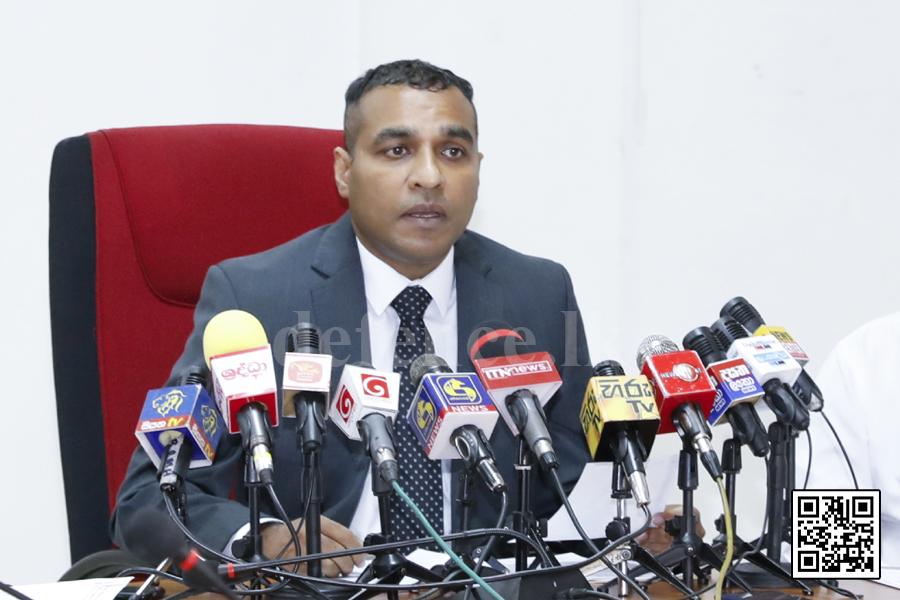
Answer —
412 181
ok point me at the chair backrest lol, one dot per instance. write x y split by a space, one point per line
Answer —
137 216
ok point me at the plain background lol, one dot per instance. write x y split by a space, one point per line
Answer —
671 155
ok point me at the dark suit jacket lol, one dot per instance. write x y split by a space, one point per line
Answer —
318 278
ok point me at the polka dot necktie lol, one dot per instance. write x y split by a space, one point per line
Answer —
420 477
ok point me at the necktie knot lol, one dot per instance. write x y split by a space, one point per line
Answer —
411 303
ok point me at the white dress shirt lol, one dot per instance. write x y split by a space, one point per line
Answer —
383 284
860 381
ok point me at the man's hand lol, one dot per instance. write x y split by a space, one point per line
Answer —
655 539
334 537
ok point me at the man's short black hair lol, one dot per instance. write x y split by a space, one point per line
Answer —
413 73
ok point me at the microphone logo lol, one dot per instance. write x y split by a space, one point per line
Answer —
209 420
169 402
344 404
540 366
375 385
254 369
424 414
458 391
305 371
685 372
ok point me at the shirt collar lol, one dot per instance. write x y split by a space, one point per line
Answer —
383 283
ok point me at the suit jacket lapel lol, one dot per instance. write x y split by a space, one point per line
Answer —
339 296
477 298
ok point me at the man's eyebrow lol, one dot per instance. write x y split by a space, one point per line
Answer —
458 131
392 133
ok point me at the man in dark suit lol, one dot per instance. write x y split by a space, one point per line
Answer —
409 171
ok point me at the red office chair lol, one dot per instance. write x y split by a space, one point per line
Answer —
137 216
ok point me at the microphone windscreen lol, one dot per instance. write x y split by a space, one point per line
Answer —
194 375
427 363
304 339
232 331
609 368
744 312
653 345
494 339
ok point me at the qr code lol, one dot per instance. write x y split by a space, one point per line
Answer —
836 534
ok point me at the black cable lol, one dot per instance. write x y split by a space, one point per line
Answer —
286 520
488 546
809 459
148 571
554 475
846 458
838 590
486 549
206 551
589 594
203 549
736 563
13 592
301 523
475 533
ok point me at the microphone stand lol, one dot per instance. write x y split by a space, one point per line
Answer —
523 519
178 496
466 500
310 411
732 464
388 566
779 484
688 548
250 547
620 526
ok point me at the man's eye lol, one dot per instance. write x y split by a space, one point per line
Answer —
454 152
397 151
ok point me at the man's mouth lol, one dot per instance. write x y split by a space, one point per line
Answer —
426 211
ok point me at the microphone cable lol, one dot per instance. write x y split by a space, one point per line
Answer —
208 552
440 542
554 475
843 450
729 539
588 562
488 546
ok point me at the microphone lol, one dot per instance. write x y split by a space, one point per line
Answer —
240 360
365 408
158 539
737 390
180 427
620 420
306 383
519 385
452 416
684 393
749 317
772 366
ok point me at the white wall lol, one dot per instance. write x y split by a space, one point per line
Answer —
671 155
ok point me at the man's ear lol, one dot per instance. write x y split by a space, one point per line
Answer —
342 163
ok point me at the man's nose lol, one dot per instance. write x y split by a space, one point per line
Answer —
426 171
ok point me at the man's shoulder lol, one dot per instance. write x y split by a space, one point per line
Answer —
475 246
296 252
872 340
